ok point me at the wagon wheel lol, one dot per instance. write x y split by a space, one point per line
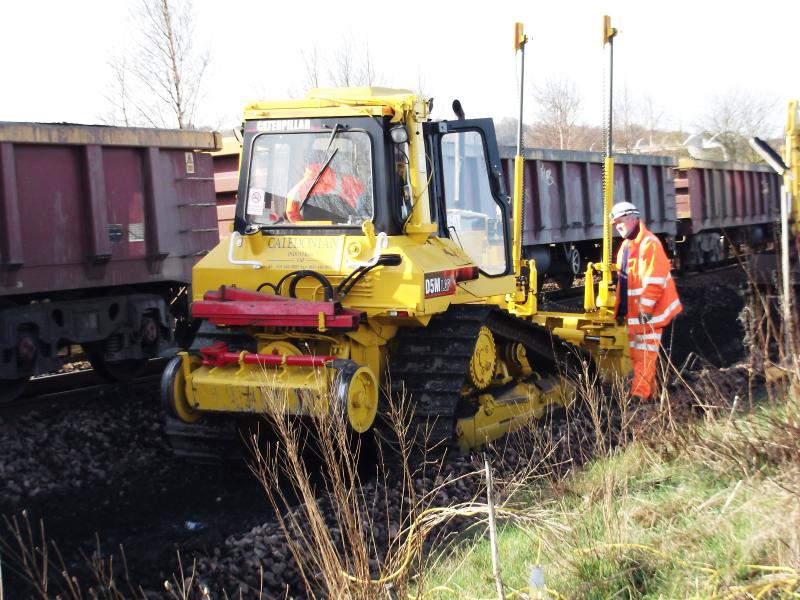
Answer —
113 370
11 389
124 370
678 262
716 255
575 262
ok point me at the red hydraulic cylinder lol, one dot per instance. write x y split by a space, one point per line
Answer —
217 355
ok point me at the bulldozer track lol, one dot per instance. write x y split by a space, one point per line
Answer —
213 440
429 366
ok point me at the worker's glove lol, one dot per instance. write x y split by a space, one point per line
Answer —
645 318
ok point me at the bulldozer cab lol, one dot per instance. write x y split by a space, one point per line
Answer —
323 176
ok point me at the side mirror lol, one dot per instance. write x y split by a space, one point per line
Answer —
399 134
238 133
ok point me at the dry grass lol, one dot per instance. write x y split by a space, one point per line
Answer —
37 564
695 495
332 527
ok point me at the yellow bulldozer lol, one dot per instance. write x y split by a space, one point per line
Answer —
376 252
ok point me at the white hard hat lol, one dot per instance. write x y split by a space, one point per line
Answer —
623 209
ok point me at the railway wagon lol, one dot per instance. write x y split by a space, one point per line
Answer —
99 229
723 207
226 182
563 220
701 210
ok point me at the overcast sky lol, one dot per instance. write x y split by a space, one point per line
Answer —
678 53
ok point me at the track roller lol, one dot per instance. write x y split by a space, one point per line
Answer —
357 392
173 388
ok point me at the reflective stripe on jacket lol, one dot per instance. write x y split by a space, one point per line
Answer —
651 289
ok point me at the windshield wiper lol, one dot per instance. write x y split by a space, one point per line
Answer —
324 166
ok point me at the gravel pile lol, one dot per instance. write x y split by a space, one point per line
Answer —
77 460
67 452
259 563
64 450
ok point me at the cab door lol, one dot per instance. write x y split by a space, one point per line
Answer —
469 199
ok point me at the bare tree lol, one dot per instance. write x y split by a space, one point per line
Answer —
342 71
652 116
558 103
159 83
628 132
368 75
117 97
312 64
734 117
422 86
506 131
347 66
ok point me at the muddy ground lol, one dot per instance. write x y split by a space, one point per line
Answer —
100 471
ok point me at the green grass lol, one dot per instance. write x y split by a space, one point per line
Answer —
712 513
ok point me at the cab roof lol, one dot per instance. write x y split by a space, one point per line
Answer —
323 102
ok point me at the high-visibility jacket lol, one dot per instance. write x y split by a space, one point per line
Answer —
651 289
346 187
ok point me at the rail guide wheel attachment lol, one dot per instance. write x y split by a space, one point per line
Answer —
357 392
173 389
484 359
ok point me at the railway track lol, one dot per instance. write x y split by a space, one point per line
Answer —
84 384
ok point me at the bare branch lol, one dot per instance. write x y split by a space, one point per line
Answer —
160 80
311 62
734 117
558 103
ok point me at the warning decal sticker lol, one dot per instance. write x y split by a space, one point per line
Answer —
255 202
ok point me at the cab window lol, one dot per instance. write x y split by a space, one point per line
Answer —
474 217
310 179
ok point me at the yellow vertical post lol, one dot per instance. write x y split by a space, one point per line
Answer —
606 298
516 249
520 39
790 203
791 178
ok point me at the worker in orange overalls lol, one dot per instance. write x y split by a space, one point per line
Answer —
337 197
646 296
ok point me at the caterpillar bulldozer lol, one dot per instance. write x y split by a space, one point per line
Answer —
376 252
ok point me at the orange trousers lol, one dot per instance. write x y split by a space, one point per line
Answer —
644 356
